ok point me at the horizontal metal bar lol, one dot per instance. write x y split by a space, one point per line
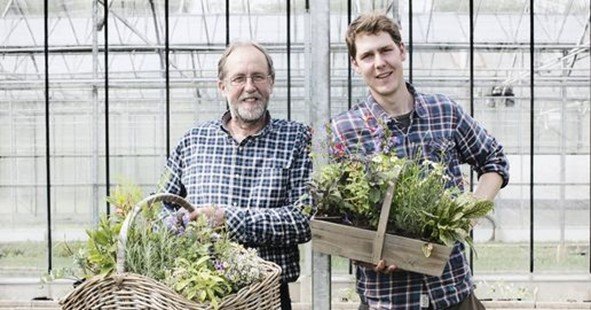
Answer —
280 48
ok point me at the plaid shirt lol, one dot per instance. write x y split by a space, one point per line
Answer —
259 182
439 131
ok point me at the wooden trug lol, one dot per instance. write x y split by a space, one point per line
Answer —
370 246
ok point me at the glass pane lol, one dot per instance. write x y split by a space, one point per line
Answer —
76 127
137 92
501 103
561 124
23 195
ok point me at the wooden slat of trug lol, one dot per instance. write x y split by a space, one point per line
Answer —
407 254
378 243
341 240
357 244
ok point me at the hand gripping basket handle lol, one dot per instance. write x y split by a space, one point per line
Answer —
171 198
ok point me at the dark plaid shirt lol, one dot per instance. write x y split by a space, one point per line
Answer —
259 182
439 131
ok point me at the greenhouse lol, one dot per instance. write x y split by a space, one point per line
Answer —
94 96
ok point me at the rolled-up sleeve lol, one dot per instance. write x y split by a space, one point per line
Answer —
480 149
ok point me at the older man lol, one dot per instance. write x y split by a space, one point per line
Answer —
248 170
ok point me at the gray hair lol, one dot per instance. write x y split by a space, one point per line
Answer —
234 46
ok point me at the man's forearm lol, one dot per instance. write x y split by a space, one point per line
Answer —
283 226
489 185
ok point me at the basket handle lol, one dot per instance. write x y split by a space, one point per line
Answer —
122 240
378 242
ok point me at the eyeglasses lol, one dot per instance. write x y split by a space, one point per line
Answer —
240 80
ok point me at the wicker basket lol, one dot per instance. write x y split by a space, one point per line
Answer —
123 290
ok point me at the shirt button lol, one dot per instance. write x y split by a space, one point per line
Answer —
237 175
234 203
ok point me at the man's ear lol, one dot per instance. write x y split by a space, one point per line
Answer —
403 52
354 65
271 84
222 88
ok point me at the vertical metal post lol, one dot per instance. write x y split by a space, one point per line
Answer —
227 22
350 85
319 98
531 135
471 30
562 217
409 46
95 114
167 73
107 151
349 73
227 34
306 249
288 52
47 127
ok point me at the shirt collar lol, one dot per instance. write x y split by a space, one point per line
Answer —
379 113
227 116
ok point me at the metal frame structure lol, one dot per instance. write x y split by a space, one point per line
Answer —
148 67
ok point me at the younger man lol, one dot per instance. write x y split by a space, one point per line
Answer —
431 126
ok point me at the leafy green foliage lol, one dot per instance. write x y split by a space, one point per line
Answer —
197 281
99 255
202 263
423 207
209 266
124 197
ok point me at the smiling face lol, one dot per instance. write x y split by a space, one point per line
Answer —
248 101
378 59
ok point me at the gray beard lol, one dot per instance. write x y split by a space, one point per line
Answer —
249 115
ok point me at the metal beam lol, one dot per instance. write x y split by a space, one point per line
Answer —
319 101
296 47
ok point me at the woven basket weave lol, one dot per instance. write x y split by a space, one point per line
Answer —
122 290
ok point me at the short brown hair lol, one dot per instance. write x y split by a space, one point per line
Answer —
235 45
373 23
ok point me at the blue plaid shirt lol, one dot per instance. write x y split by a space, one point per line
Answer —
259 182
439 131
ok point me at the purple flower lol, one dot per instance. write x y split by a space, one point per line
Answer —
219 266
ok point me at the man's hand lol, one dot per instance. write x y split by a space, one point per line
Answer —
380 267
384 268
214 215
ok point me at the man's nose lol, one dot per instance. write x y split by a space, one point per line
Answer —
378 61
249 84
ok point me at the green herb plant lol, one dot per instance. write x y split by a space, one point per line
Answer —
423 206
202 263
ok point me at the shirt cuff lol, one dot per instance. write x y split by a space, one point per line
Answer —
235 223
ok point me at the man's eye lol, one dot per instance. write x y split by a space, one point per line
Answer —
258 78
239 79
